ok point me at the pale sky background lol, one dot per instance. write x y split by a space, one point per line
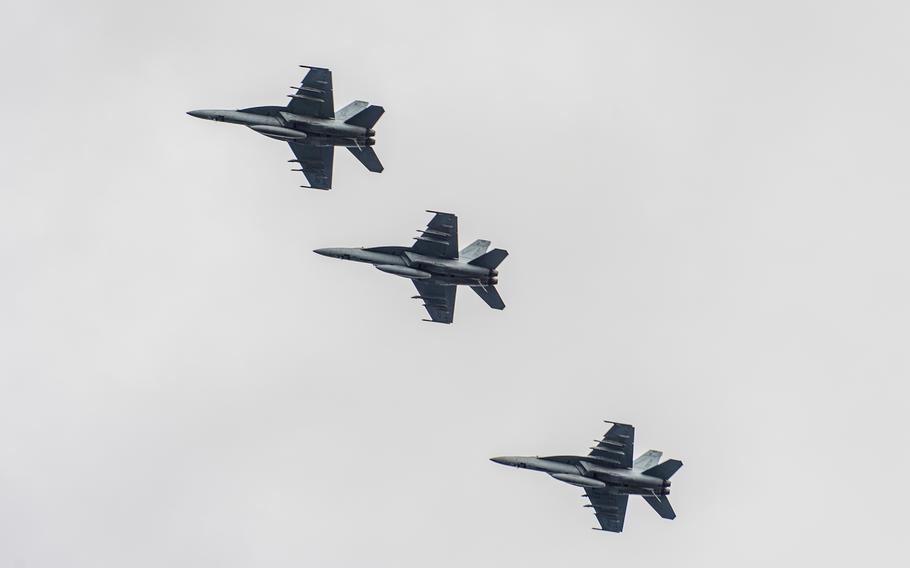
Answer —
706 205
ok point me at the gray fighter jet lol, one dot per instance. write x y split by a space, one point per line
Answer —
436 266
608 475
312 128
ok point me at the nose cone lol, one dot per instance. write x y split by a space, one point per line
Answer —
206 114
507 460
342 253
329 252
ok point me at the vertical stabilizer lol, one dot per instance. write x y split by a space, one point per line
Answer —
351 110
647 460
474 250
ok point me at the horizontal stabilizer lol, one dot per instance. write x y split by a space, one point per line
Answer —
489 295
367 117
367 157
491 259
665 470
661 505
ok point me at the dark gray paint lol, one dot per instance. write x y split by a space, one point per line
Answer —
436 266
608 475
311 127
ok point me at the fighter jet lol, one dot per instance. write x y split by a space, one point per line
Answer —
608 476
436 266
311 127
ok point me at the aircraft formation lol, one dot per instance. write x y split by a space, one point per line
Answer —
313 129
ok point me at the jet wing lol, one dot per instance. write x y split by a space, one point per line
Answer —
314 95
609 508
440 238
616 447
315 163
439 300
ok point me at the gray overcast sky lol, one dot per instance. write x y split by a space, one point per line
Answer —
706 207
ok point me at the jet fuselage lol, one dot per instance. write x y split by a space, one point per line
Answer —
583 471
403 262
276 122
